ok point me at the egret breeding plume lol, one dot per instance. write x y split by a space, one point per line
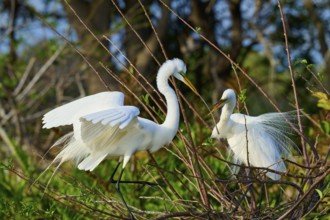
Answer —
258 141
103 126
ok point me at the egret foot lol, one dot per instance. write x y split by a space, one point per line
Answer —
143 183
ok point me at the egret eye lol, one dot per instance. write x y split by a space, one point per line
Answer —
182 73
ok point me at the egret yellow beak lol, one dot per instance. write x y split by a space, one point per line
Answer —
218 105
189 84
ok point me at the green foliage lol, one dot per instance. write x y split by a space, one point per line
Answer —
325 125
242 96
323 100
198 29
145 99
74 194
16 200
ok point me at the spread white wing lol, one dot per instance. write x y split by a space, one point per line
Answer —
121 115
266 151
272 125
107 131
68 113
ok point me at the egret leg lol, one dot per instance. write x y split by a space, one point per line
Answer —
118 181
114 172
143 183
121 196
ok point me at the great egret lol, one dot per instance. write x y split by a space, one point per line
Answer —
258 141
103 126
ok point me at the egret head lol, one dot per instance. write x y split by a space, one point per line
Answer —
179 67
179 72
228 96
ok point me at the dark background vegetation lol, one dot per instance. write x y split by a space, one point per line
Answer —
54 51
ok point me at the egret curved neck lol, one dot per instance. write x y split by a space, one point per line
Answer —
173 110
226 111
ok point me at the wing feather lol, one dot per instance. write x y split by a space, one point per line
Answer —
120 116
90 162
267 140
101 129
101 133
68 113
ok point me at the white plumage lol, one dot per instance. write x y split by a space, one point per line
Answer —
103 126
69 113
260 139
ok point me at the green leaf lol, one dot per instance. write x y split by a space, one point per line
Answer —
324 101
325 127
304 61
208 142
320 95
319 192
310 65
242 95
145 99
325 104
131 69
295 63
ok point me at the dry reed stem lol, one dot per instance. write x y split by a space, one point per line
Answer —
194 162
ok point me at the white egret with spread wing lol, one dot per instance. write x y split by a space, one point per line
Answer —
103 126
259 141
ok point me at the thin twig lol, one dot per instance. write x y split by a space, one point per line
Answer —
236 65
154 30
303 143
24 76
197 164
74 48
317 79
247 142
136 33
41 72
111 73
164 178
239 86
182 214
301 199
140 75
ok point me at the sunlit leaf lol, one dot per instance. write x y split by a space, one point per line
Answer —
320 95
319 192
242 95
323 101
304 61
